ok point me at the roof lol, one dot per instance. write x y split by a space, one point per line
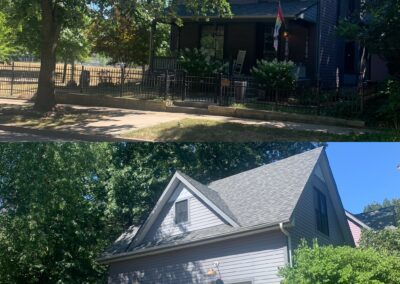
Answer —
379 219
355 220
291 9
259 198
269 193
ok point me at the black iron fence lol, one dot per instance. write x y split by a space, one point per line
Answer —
243 92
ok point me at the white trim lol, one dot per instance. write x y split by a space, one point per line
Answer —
171 187
207 201
173 247
287 234
356 220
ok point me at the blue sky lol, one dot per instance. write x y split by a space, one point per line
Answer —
365 172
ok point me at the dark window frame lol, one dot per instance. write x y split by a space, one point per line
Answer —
321 212
183 220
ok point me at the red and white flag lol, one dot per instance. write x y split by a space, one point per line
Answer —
279 20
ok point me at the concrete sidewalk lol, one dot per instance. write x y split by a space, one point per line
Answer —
112 122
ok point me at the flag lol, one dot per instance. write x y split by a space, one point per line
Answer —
278 25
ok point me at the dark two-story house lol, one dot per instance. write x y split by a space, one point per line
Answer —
308 37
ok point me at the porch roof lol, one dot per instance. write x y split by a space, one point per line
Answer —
305 10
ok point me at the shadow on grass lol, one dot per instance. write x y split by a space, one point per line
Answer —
192 130
67 118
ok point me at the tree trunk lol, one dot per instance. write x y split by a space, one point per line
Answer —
64 72
45 100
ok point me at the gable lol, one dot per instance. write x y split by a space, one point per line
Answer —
200 216
305 216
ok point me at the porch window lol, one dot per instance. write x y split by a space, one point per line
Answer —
212 40
269 51
321 212
181 212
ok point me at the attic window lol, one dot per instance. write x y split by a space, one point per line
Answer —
181 212
321 212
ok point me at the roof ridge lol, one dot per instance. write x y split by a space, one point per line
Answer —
221 204
269 164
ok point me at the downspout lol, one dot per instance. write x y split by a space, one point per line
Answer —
287 234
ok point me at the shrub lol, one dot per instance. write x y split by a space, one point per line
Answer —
274 74
198 62
330 264
391 110
387 240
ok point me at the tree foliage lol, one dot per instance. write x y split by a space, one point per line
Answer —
328 264
386 203
377 29
387 240
7 44
62 204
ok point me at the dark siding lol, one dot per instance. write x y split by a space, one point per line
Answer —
328 46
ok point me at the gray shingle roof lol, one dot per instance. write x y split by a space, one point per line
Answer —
263 196
379 219
269 193
265 9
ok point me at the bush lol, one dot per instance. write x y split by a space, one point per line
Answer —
198 62
330 264
387 240
391 110
275 74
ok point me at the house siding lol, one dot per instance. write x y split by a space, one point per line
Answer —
200 216
355 232
329 42
305 220
254 258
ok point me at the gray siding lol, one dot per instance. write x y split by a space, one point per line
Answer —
305 219
200 217
256 258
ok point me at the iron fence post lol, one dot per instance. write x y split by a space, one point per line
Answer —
122 80
220 89
12 79
81 79
362 98
185 86
166 85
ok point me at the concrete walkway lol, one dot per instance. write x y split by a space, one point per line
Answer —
112 122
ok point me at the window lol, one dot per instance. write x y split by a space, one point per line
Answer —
212 40
349 60
181 212
321 212
269 50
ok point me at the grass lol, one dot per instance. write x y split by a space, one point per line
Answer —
26 116
199 130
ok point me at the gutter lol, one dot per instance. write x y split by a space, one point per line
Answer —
172 247
287 234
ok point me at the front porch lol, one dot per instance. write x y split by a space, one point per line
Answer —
251 30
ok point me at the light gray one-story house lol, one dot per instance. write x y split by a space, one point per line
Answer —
240 229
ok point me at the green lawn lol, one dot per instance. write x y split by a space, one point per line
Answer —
198 130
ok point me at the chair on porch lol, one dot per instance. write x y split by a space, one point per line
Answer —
238 63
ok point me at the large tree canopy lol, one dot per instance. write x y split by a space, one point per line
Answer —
42 23
62 204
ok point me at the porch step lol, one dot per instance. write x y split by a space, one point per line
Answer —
190 110
203 105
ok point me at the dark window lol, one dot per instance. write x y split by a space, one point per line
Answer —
321 212
269 51
349 60
181 211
